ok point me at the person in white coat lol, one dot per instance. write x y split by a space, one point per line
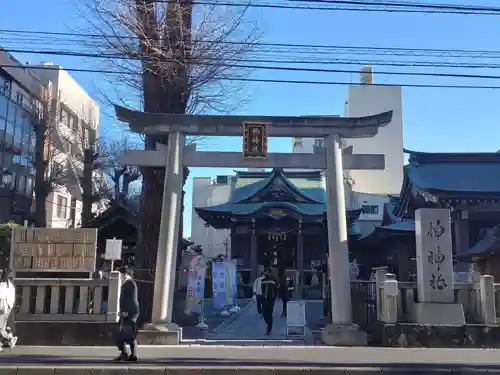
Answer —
257 291
7 301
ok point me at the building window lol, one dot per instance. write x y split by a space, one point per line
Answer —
19 98
62 207
369 209
64 116
4 102
4 86
74 123
319 142
29 186
86 138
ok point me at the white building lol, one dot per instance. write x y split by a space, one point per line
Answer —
208 191
20 92
78 116
368 189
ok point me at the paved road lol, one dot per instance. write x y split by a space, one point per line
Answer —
212 319
249 329
305 356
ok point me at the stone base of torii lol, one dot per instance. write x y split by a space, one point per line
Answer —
341 331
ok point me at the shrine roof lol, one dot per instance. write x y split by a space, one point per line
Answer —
118 210
392 225
274 193
455 175
308 184
489 244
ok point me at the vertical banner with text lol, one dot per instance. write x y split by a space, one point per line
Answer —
195 285
219 284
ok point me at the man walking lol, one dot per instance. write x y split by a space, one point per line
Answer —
257 291
269 292
129 312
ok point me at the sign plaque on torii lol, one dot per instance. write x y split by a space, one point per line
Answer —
175 155
254 140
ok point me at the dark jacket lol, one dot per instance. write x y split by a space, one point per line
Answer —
269 289
286 289
129 301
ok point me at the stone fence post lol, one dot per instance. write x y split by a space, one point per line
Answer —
113 296
379 291
390 305
487 296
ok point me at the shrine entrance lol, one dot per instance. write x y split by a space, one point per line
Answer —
255 130
278 250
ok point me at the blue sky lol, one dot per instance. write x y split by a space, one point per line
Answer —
435 119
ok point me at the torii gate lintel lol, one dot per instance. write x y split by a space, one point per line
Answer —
221 159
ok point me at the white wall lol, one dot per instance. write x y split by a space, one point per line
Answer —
70 93
73 98
368 100
368 221
206 193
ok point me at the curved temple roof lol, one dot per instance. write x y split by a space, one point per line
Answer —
451 177
280 126
274 194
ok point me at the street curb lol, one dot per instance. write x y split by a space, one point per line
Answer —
161 369
232 318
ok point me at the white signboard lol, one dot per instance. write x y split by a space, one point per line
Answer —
296 318
113 250
434 255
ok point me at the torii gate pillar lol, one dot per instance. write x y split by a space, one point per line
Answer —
341 331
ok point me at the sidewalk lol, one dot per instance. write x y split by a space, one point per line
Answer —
249 329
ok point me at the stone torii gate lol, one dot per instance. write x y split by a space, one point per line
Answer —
175 155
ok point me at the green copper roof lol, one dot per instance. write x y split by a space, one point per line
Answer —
267 192
306 185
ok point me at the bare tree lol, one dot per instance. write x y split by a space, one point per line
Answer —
87 166
171 57
121 175
48 156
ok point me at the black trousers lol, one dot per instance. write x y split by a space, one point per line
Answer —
258 299
284 303
127 335
267 313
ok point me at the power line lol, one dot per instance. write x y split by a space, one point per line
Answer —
259 80
354 49
361 6
255 57
403 4
238 64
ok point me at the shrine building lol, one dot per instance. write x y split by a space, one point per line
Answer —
466 183
276 219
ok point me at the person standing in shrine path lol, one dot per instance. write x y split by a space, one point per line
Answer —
269 292
257 291
286 289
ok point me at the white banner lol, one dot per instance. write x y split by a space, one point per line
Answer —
219 284
196 285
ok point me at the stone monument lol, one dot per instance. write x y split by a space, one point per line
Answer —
436 299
